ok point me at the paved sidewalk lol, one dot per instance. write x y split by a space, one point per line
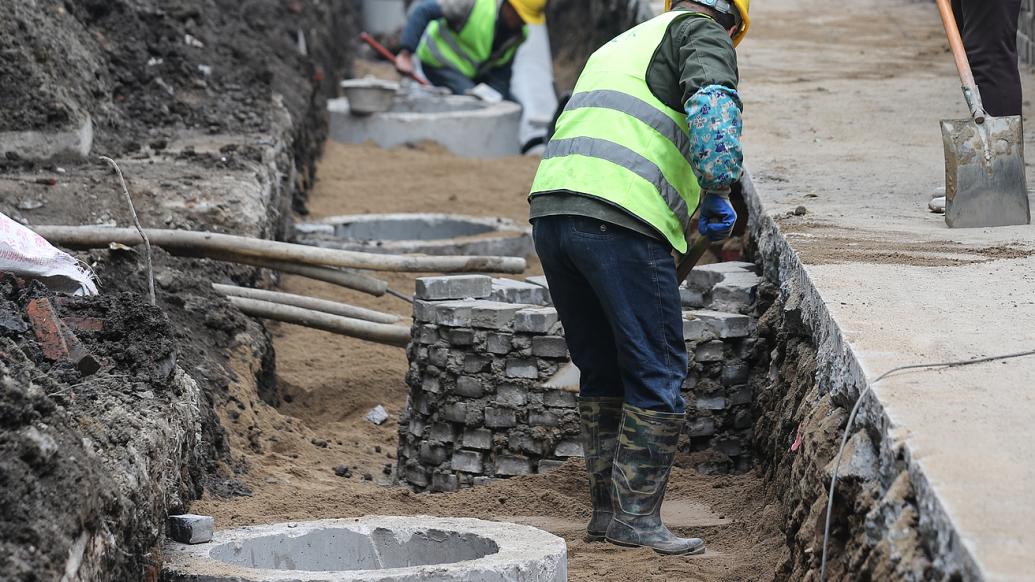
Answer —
842 104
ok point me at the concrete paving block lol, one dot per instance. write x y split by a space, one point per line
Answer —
432 454
549 346
704 277
416 475
454 313
71 143
477 438
522 368
568 448
709 352
559 399
692 298
494 314
513 465
511 291
544 418
701 427
499 343
473 363
469 387
725 325
510 395
547 465
445 483
454 412
467 461
734 373
424 311
525 443
742 395
430 384
427 334
453 287
190 528
736 290
460 336
500 417
417 426
696 329
535 319
711 403
443 432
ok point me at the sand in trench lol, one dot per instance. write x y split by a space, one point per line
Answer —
328 383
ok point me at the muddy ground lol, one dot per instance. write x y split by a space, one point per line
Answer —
328 383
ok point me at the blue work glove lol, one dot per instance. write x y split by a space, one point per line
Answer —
717 217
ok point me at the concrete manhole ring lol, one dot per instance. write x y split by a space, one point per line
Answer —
427 233
372 549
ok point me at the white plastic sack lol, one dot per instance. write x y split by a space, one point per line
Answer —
27 254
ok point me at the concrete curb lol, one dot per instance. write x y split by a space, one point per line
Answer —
840 374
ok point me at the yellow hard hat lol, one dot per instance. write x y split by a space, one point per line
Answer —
531 11
743 6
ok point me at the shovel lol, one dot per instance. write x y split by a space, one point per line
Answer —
985 184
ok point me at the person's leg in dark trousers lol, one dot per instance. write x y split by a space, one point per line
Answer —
616 294
989 31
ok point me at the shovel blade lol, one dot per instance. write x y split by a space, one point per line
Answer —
985 182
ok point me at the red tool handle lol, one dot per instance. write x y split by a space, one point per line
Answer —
387 54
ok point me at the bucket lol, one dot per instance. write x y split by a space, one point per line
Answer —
369 95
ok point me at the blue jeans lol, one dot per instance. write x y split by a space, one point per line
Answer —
616 294
498 79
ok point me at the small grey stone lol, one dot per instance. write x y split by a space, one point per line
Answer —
725 325
460 336
511 291
510 395
695 330
454 412
377 415
443 432
190 528
454 313
445 482
432 454
547 465
544 418
735 373
494 314
559 399
700 427
424 311
711 403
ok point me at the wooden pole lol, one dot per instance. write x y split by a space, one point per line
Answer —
393 335
100 237
316 304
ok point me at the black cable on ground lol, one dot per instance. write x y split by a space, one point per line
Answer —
395 293
851 420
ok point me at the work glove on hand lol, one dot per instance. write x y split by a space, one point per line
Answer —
717 217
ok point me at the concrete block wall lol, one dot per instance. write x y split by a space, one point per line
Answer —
483 349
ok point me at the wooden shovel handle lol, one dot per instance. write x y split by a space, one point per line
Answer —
959 54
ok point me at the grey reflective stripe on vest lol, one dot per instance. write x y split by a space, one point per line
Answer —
447 35
638 108
435 52
618 154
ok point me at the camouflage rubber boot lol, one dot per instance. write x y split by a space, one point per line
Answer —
600 418
646 449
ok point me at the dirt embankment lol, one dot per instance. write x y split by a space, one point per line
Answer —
216 113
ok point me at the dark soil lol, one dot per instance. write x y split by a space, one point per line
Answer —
146 69
57 438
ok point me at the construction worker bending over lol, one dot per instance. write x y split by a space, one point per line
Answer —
461 43
652 132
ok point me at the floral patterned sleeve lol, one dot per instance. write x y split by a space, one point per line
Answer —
714 122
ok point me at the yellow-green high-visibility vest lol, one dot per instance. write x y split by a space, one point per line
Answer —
470 51
617 142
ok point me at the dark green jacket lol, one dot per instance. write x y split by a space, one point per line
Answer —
695 54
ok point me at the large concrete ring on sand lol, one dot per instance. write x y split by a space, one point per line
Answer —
373 549
466 126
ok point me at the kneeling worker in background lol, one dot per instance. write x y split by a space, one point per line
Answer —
467 42
651 133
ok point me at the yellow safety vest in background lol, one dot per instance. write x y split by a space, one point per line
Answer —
470 51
